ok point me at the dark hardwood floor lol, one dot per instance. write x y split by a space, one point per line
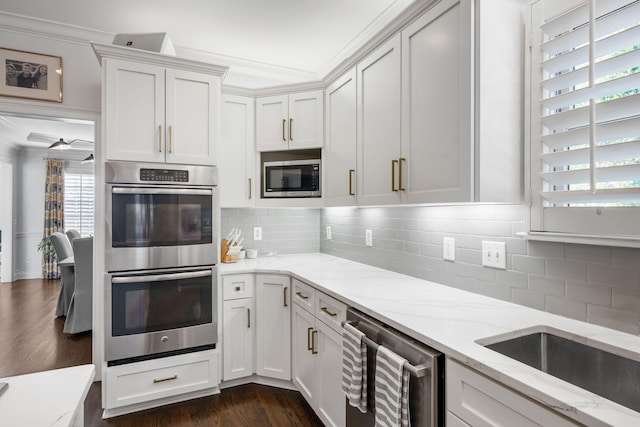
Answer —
33 341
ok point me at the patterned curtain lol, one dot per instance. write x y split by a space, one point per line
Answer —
53 214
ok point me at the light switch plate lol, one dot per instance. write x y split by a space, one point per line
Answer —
449 248
494 254
328 232
257 233
368 237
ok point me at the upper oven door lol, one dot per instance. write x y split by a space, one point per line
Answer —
159 227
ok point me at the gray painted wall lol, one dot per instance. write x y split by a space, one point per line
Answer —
597 284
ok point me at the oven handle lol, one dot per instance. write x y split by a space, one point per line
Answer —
161 277
179 191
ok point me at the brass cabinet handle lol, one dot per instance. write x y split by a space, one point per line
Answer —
351 172
170 139
313 342
400 160
284 122
290 129
248 318
237 288
285 296
326 310
393 175
160 138
309 346
249 188
175 377
301 295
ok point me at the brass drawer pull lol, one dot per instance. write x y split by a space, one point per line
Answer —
326 310
160 138
248 318
170 139
393 175
401 160
285 297
284 122
175 377
249 188
301 295
290 129
309 346
237 288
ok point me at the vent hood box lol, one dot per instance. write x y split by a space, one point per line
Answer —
154 42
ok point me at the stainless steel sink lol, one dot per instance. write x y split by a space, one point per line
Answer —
609 375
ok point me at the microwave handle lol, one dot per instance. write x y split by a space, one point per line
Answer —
178 191
161 277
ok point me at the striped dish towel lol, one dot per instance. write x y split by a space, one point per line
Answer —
392 390
354 367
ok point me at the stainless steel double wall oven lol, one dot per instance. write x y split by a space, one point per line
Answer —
161 252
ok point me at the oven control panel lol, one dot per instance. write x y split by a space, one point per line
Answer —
162 175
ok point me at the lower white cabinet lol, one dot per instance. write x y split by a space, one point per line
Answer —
273 326
238 330
159 379
473 399
317 352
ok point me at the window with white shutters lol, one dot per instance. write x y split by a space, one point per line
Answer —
78 202
585 117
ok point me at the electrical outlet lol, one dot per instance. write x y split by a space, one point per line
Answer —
449 248
257 233
494 254
368 237
328 232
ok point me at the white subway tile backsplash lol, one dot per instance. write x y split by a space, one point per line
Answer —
593 283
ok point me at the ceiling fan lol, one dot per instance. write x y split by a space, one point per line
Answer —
60 143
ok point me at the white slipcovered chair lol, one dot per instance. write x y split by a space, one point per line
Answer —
80 313
63 249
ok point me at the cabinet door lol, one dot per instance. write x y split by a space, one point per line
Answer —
237 342
305 127
273 323
330 400
304 375
134 111
236 168
379 125
340 156
272 123
192 117
437 109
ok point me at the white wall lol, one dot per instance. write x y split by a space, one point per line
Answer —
81 87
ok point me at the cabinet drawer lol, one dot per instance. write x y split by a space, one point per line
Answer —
237 286
330 311
161 378
304 295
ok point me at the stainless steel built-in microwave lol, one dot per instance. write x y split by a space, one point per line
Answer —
292 178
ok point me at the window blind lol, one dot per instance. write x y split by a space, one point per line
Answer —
78 202
589 134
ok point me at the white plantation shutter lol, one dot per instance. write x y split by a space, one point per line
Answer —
585 133
78 202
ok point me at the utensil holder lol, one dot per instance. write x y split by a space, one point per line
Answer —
225 256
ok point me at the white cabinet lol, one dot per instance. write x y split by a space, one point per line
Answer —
273 326
236 151
479 401
137 385
317 351
378 125
159 113
290 122
339 163
238 326
436 161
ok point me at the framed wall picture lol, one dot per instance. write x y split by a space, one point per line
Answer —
31 75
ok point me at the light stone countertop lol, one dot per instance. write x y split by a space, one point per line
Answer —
49 398
452 321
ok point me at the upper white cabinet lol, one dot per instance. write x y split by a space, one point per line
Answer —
436 160
339 163
290 122
159 108
236 168
378 125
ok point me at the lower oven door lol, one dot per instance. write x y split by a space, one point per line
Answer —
154 312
